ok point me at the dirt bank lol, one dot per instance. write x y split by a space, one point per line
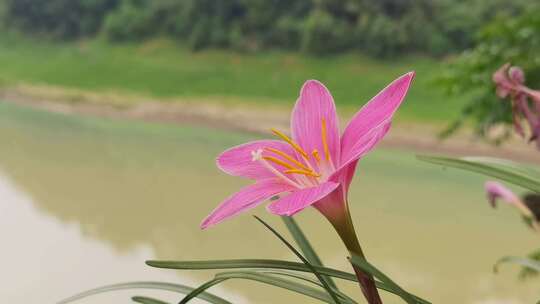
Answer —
420 138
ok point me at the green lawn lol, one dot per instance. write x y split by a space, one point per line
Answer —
162 69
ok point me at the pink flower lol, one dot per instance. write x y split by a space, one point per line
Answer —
510 83
316 165
496 190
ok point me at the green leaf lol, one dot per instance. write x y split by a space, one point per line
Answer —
295 275
269 279
208 297
147 300
263 264
195 293
527 272
250 263
277 272
525 262
369 268
301 257
305 246
315 293
514 173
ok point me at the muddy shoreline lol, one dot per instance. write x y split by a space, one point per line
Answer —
418 137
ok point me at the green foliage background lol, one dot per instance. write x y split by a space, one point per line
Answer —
504 40
378 27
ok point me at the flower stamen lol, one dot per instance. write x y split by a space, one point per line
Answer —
279 162
315 154
290 142
323 136
287 157
303 172
257 156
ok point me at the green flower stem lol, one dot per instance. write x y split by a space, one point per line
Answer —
345 228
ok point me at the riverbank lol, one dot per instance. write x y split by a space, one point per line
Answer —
417 137
166 70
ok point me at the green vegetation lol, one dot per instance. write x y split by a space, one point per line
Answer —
515 41
380 28
162 69
261 51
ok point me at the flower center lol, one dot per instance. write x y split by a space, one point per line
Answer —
308 171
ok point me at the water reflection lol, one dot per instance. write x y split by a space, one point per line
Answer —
46 260
95 198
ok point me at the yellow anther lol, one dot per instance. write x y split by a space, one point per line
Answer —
323 136
279 162
304 172
290 142
316 155
287 157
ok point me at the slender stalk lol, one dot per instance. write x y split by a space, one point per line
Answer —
345 228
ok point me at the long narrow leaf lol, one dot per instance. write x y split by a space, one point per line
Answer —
526 169
263 264
208 297
301 257
285 273
316 293
525 262
147 300
295 275
501 169
291 274
367 267
195 293
305 246
268 279
249 263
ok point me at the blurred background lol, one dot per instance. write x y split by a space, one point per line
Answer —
113 111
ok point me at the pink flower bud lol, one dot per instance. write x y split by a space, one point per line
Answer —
516 74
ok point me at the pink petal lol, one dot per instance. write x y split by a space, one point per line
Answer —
238 161
346 176
300 199
247 198
372 122
314 105
516 74
496 190
501 91
535 95
500 75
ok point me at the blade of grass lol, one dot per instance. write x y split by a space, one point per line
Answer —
525 262
250 263
147 300
263 264
195 293
498 170
268 279
295 275
301 257
305 246
526 169
316 293
208 297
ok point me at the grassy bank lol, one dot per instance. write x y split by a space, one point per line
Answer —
162 69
